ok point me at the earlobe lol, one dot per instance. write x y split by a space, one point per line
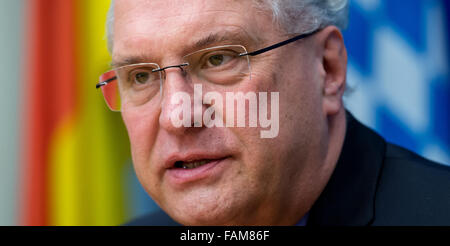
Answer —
335 66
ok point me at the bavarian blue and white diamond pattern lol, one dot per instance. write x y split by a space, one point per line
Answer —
398 72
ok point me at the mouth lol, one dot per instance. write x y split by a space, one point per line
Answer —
193 164
186 170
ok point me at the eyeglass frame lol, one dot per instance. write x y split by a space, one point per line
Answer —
253 53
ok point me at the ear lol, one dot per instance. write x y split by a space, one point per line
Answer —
334 62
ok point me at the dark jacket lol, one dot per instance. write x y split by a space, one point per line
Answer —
374 183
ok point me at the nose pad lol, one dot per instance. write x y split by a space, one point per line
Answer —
183 70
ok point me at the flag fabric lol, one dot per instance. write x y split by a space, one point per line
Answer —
74 149
399 74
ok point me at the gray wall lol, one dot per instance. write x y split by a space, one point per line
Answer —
11 71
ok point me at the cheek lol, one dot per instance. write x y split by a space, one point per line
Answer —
141 126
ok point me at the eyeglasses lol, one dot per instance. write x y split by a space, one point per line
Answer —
221 65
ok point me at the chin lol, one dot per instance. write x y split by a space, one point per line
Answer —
204 212
201 217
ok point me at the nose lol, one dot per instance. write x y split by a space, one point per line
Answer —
181 105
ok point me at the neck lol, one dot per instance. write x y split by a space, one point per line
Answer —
337 127
320 174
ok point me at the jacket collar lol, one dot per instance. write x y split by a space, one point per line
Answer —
348 198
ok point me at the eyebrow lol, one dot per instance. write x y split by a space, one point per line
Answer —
213 39
220 38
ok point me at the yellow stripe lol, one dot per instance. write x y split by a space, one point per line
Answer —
64 193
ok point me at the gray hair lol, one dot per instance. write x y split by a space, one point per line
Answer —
293 16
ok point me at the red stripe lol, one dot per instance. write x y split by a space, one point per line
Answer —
50 92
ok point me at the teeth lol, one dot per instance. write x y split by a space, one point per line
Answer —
194 164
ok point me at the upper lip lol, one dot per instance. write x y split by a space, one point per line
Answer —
189 157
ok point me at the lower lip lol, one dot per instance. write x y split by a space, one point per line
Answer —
181 176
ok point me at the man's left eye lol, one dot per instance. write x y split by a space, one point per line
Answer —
218 60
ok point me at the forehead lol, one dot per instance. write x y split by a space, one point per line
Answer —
175 26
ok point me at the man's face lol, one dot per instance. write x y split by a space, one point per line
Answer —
248 180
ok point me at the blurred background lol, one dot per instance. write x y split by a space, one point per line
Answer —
65 158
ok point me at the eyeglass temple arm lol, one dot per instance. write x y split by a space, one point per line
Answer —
103 83
301 36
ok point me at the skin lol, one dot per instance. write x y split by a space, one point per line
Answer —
264 181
